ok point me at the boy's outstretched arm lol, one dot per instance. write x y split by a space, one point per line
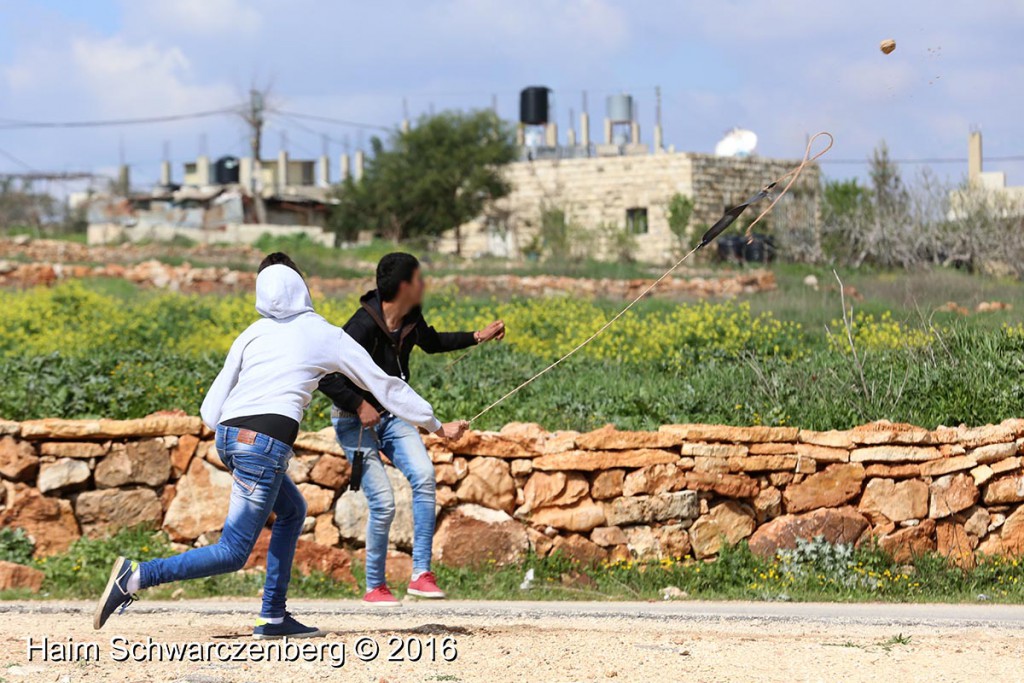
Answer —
393 393
432 341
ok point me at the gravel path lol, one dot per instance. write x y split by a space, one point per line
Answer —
525 641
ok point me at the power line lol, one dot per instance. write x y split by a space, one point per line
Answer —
328 119
11 124
17 161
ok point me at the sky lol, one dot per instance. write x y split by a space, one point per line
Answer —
782 68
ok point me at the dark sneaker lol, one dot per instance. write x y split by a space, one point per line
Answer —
115 595
289 628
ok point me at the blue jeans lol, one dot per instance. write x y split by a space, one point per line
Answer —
401 442
261 486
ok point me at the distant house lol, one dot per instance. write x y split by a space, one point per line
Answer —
217 202
986 190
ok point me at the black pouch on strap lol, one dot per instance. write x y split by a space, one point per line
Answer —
358 458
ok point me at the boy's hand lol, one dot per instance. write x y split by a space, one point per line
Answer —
453 431
368 415
494 331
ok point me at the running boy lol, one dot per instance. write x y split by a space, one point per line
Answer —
255 405
388 324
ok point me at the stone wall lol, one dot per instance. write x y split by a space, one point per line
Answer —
597 191
678 492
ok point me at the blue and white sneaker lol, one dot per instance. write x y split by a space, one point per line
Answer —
289 628
115 595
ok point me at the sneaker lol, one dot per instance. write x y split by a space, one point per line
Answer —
381 596
289 628
115 595
426 587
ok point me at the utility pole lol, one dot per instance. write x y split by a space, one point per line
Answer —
254 117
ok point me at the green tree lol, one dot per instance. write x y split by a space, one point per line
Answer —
434 177
680 211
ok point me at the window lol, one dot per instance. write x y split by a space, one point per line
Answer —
636 221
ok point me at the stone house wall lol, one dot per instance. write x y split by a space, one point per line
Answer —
677 492
596 192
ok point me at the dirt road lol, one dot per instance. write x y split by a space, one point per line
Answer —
520 641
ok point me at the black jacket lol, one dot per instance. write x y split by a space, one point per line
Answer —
389 350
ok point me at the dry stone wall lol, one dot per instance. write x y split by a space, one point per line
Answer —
681 491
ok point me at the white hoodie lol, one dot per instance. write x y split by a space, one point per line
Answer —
275 365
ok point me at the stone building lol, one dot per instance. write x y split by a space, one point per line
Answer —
602 194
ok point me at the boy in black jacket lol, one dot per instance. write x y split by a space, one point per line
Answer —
388 324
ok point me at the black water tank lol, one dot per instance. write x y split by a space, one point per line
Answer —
533 105
225 171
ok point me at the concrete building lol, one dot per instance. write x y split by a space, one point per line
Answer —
215 202
985 190
631 191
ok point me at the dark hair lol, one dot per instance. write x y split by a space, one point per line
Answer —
278 257
392 271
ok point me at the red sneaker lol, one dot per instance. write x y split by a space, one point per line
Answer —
426 587
381 596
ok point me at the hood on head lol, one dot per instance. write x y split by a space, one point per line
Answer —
281 293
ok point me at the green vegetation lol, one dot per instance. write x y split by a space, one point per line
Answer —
778 358
436 176
814 571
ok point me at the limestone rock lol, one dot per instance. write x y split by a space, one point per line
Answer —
581 516
884 432
982 474
833 487
553 488
952 541
822 453
906 544
73 449
472 535
20 577
50 522
977 522
18 459
727 522
834 439
522 467
674 540
158 424
654 479
489 483
937 468
590 461
1005 490
324 531
318 500
607 484
104 512
768 504
1011 537
642 542
135 462
62 474
608 438
890 453
309 557
990 453
331 471
299 468
713 450
606 536
725 433
579 549
181 454
835 525
882 471
444 473
726 485
539 543
351 512
896 502
648 509
323 441
951 494
493 444
200 503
